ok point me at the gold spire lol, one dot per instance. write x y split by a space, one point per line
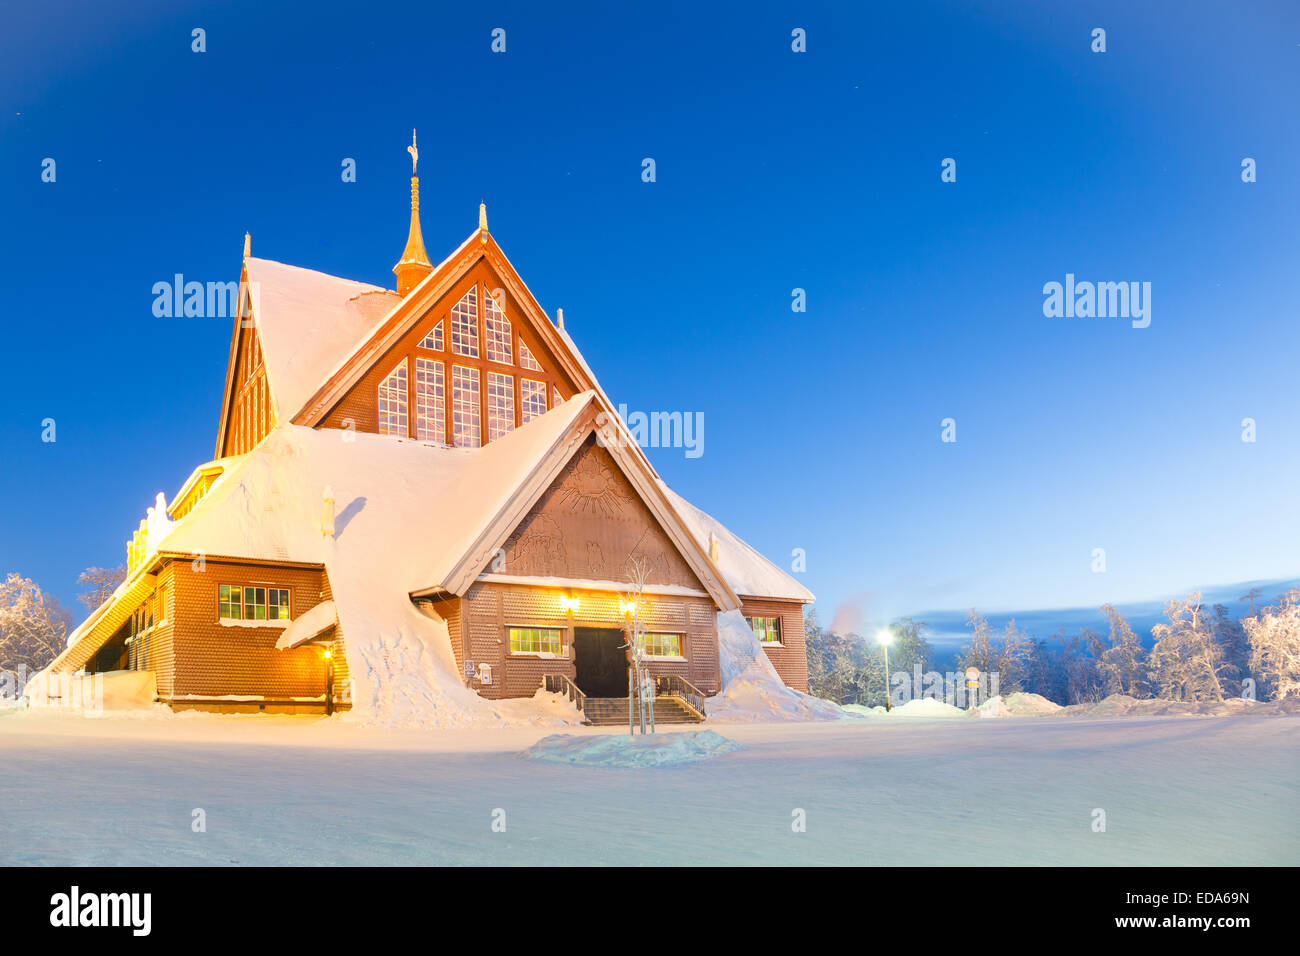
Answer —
414 264
248 245
482 220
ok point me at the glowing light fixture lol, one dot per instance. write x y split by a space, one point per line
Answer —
569 604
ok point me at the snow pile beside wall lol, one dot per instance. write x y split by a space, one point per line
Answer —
751 688
625 750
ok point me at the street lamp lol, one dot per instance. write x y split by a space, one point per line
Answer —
885 638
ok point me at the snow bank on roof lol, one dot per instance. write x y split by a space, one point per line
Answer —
308 322
307 626
751 688
405 512
625 750
747 571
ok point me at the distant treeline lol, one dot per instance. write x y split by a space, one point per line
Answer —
1199 653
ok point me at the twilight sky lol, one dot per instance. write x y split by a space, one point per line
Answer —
775 170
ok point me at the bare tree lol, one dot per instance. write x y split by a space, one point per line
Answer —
103 582
638 612
33 626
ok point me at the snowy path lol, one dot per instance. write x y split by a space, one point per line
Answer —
294 791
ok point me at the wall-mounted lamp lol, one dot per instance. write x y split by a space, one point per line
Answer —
570 604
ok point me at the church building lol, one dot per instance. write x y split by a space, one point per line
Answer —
420 487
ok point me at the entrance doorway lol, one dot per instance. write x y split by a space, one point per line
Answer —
599 661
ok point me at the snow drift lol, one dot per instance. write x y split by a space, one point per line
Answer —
751 688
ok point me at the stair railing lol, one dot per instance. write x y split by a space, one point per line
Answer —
563 684
674 686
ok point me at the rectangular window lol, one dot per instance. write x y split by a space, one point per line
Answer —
464 324
465 424
501 405
496 330
230 602
254 604
766 629
392 403
238 603
430 401
532 400
662 645
537 640
277 604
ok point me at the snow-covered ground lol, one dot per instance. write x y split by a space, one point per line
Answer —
122 789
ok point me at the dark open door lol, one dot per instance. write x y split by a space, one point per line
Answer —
600 661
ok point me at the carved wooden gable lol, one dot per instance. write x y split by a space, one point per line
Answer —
589 524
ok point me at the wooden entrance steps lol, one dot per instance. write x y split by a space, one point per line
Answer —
603 711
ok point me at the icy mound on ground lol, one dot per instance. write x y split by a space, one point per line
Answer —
625 750
1018 705
751 688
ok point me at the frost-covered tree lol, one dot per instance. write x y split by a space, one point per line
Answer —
102 583
1186 662
33 626
1123 665
1007 654
1081 654
1274 639
1231 638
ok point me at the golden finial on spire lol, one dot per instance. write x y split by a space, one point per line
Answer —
414 264
482 219
248 244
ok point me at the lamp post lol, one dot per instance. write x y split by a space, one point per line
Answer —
329 683
885 638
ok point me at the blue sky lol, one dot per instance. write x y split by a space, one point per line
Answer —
775 170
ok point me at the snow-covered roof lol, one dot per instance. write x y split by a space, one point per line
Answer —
308 323
748 572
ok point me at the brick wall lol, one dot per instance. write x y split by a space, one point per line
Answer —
216 660
484 614
790 658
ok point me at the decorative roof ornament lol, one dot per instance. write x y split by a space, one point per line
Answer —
248 244
414 264
482 221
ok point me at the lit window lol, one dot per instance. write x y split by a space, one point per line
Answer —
434 339
661 645
501 404
526 359
766 629
255 604
392 402
537 640
430 401
465 428
236 603
230 602
277 604
464 324
496 330
532 399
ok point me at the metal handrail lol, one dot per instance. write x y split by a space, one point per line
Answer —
563 684
675 686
